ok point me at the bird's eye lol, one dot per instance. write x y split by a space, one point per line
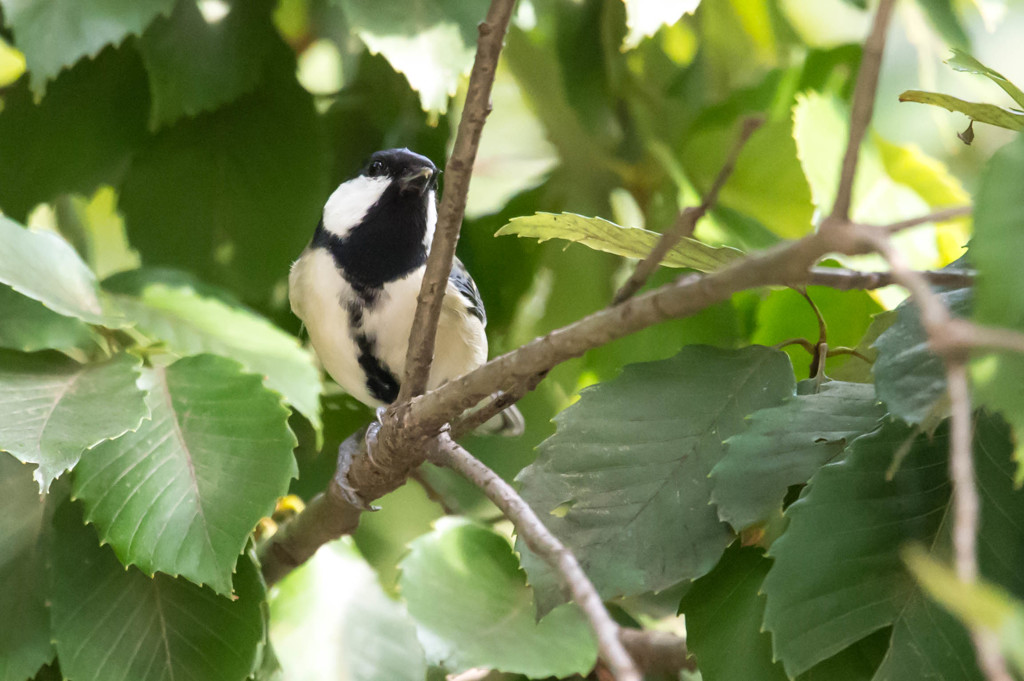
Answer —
375 169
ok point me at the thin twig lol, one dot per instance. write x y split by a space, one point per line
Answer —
657 652
687 219
938 216
446 452
453 204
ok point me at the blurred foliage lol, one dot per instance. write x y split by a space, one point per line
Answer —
162 162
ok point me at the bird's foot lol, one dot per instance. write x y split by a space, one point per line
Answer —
346 455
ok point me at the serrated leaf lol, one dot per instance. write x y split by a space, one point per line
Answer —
52 408
28 325
44 267
109 622
466 592
330 619
190 324
78 137
432 42
645 17
249 183
24 541
630 462
182 493
54 34
962 61
837 577
909 377
630 242
1000 289
195 65
786 445
983 113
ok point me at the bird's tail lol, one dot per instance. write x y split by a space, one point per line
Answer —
509 423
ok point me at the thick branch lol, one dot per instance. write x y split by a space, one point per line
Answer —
453 204
657 652
447 452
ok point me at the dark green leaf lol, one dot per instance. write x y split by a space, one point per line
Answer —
53 408
961 61
330 619
196 66
943 16
109 622
467 594
182 493
79 136
28 325
54 34
836 577
624 480
786 445
983 113
24 542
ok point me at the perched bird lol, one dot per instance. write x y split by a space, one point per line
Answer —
355 286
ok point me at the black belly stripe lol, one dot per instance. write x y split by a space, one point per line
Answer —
380 382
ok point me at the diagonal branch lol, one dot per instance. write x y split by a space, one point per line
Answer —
453 204
446 452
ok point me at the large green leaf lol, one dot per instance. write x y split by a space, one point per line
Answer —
998 241
190 323
470 600
432 42
1011 119
837 577
28 325
182 493
54 34
78 137
53 408
330 619
786 445
43 266
962 61
232 195
24 541
909 377
110 623
195 65
631 242
623 483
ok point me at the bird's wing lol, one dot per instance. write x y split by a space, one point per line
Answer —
466 291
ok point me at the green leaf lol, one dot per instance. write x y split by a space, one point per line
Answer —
836 577
53 408
943 17
623 483
432 42
182 493
645 17
1000 289
909 377
54 34
197 66
249 184
962 61
786 445
28 325
24 540
723 617
43 266
330 619
109 622
190 324
1010 119
466 592
630 242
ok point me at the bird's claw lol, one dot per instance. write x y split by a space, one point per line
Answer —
346 454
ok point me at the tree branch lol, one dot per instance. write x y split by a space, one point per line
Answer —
446 452
938 216
458 171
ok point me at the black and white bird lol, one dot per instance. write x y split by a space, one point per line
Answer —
355 286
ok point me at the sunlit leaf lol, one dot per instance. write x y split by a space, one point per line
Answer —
12 63
982 113
466 592
53 408
182 493
330 619
962 61
645 17
631 242
109 622
624 481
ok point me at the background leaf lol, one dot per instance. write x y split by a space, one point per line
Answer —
30 326
182 493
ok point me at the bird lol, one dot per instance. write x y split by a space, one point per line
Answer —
355 285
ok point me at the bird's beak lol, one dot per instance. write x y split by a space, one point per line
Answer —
416 180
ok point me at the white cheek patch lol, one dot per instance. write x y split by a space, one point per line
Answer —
351 201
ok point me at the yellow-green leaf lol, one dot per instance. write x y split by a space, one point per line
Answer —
983 113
